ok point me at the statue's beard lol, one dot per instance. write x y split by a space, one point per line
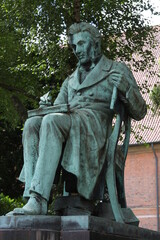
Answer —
93 57
92 51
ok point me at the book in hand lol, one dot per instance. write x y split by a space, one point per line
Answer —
42 111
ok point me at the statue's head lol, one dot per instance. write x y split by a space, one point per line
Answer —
85 41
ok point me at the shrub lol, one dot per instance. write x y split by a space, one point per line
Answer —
7 204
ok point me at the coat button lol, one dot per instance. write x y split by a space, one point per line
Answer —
91 94
78 93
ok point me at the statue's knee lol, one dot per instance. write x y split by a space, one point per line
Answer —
32 123
52 119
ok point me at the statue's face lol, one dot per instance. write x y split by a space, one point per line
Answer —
83 47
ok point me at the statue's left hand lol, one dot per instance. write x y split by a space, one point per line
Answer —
119 81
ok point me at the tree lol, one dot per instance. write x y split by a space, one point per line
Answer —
10 162
34 54
35 57
155 97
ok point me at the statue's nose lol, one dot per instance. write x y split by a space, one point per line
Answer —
78 50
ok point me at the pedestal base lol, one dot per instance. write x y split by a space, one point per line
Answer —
69 228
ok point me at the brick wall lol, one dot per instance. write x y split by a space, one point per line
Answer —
140 183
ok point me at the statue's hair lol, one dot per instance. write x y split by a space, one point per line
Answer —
84 27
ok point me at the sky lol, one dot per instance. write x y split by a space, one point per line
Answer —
155 20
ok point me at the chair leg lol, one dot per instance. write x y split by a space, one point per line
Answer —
121 188
112 190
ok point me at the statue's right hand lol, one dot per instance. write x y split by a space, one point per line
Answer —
45 100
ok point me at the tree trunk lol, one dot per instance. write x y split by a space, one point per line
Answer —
77 7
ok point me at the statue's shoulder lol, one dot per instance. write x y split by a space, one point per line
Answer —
113 64
105 63
121 66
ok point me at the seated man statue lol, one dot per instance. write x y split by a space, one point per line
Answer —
84 128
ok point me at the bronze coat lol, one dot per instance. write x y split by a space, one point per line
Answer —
86 147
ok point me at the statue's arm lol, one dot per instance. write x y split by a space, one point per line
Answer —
128 91
133 101
135 104
62 97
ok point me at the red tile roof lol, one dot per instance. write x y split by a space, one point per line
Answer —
148 129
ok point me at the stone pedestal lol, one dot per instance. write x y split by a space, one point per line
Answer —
69 228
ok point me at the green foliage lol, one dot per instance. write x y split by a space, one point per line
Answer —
35 58
10 161
155 97
56 191
7 204
34 53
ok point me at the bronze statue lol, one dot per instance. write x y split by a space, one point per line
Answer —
82 121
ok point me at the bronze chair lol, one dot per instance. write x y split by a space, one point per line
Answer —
116 158
114 178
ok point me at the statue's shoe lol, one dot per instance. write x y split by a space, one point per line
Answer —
35 206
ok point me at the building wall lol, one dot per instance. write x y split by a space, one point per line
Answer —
140 184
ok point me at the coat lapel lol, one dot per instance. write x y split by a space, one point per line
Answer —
74 80
100 71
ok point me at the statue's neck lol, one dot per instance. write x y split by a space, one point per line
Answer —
86 68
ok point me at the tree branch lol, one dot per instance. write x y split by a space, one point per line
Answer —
19 107
19 90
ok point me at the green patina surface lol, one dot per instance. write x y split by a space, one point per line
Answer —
81 119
